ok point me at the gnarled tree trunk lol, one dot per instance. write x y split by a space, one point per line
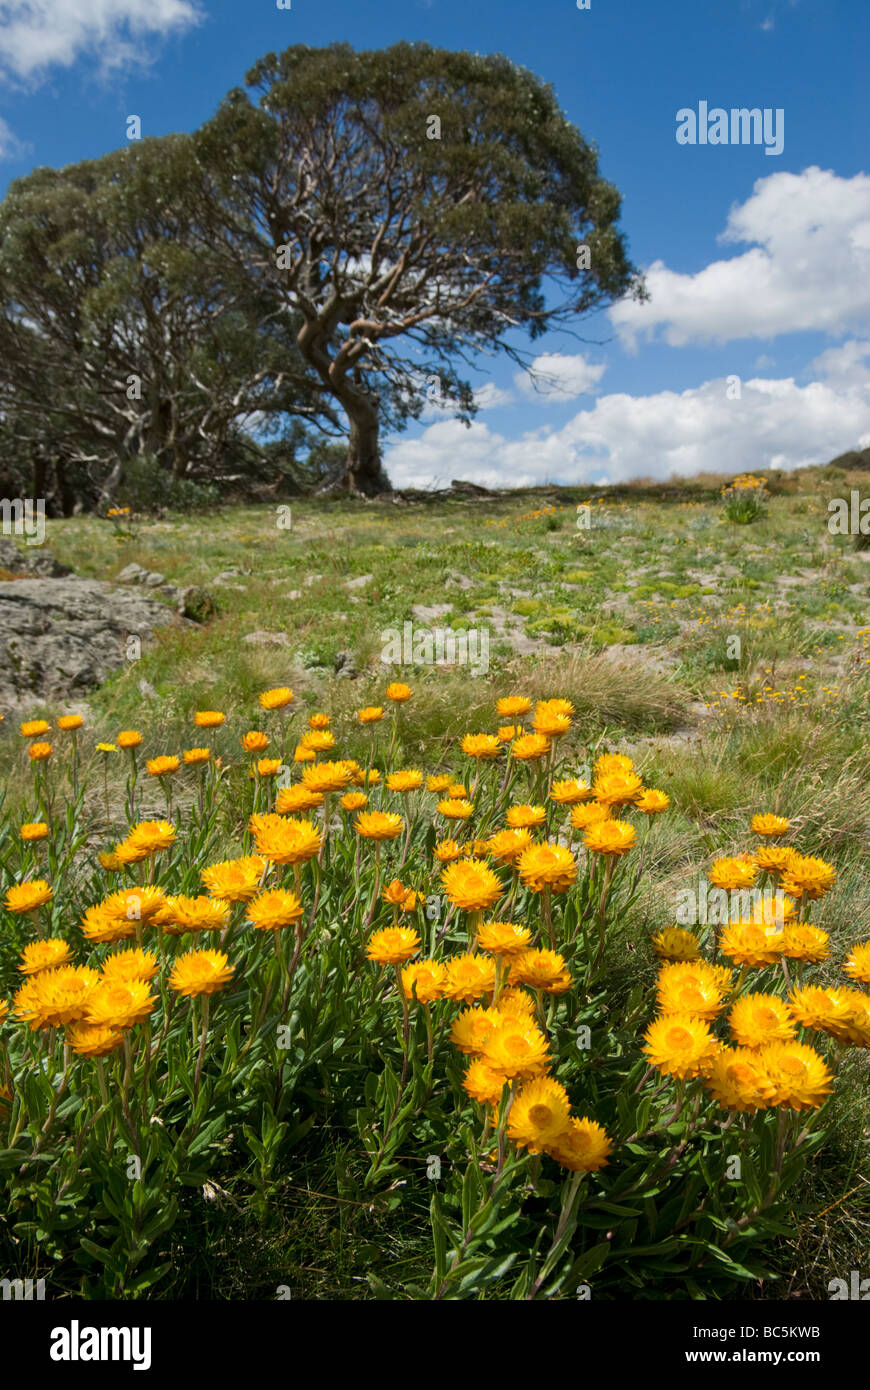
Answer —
364 472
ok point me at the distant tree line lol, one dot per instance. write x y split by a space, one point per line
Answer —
263 299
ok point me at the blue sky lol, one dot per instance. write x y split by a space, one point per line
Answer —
759 265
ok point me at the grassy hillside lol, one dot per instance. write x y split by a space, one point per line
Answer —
730 662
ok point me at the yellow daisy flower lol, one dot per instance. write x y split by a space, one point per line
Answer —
676 943
507 845
732 874
393 945
235 880
540 1114
529 748
768 824
274 909
524 817
547 866
617 788
680 1045
424 980
379 825
857 963
208 719
483 746
284 839
278 698
610 837
799 1076
200 972
513 706
471 885
756 1020
503 938
458 809
570 792
584 1147
28 896
541 969
44 955
468 977
738 1080
516 1048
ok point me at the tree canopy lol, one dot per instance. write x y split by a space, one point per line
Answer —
118 339
350 232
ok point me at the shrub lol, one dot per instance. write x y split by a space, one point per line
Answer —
745 498
149 487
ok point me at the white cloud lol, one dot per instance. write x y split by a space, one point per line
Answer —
36 35
843 366
555 377
807 268
775 424
488 397
10 146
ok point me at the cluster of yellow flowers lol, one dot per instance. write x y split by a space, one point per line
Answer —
97 1006
502 1027
497 999
506 1044
764 1064
39 750
527 516
744 482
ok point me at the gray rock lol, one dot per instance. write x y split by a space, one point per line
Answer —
638 654
149 579
467 489
434 610
458 581
267 639
61 637
524 645
360 582
31 560
133 574
345 666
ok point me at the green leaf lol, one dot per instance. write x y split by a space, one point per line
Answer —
148 1278
104 1256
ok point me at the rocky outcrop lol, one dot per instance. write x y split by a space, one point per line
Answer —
191 601
60 637
31 561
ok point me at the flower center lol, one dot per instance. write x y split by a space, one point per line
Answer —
540 1116
693 997
739 1074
